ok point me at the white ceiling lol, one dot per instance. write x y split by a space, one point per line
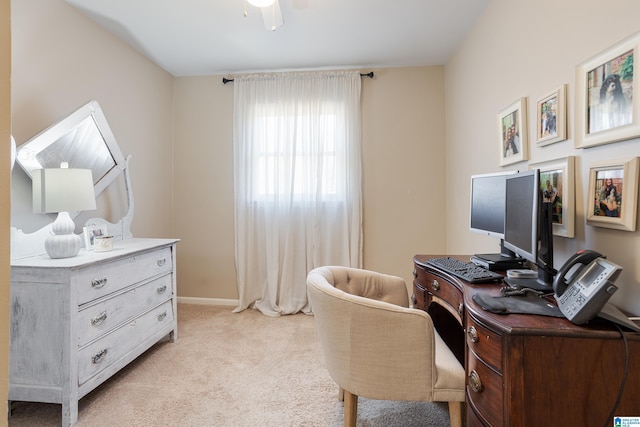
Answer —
206 37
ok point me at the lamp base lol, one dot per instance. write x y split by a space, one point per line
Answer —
64 243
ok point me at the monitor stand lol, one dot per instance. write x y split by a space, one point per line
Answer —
496 262
530 283
505 260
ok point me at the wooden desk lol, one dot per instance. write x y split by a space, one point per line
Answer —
528 370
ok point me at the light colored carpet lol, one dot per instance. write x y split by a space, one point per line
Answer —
226 369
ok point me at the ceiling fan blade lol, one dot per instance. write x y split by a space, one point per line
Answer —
272 16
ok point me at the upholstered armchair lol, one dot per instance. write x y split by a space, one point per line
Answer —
377 347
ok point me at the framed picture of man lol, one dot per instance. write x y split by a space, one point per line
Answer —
613 187
551 118
607 107
513 131
558 188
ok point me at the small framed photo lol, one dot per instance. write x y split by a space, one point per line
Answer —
558 188
513 131
607 107
551 117
613 188
90 232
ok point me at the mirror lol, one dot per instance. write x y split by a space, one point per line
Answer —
83 139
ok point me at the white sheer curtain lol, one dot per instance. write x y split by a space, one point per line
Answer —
297 178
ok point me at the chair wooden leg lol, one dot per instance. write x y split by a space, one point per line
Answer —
341 394
455 413
350 409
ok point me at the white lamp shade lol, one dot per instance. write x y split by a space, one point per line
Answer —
63 190
261 3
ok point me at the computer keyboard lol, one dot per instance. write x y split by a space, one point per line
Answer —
465 270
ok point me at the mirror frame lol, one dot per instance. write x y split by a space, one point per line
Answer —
27 152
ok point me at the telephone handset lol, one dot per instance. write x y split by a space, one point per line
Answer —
589 288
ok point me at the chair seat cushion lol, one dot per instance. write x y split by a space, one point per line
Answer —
450 381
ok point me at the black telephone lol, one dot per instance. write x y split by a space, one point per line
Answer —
590 287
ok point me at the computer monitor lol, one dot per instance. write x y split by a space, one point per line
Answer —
528 228
487 209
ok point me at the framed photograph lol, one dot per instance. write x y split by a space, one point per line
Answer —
613 188
558 187
607 107
551 117
513 131
90 232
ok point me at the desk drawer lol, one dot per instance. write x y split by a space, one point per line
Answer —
485 343
100 280
420 297
442 289
484 390
107 314
107 350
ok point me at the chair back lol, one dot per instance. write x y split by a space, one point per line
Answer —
373 344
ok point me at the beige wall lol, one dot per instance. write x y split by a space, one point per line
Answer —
5 200
524 48
404 170
403 137
61 60
179 131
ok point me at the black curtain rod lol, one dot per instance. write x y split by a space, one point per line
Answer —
369 74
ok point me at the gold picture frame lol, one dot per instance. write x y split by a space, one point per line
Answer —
551 117
606 109
613 189
513 133
557 183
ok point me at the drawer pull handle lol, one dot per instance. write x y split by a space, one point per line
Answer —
161 262
474 382
435 285
415 273
460 309
473 334
99 319
98 283
162 288
161 316
97 358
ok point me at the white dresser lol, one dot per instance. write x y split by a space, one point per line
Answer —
76 321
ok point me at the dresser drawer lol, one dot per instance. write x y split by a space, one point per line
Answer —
99 318
484 390
107 350
485 343
442 289
102 279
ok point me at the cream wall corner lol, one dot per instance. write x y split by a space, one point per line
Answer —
61 60
522 48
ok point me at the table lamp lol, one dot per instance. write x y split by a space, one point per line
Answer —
61 191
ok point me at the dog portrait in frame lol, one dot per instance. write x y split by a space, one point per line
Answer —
607 107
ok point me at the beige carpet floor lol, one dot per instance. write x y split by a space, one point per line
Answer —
229 369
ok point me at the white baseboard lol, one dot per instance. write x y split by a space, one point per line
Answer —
208 301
